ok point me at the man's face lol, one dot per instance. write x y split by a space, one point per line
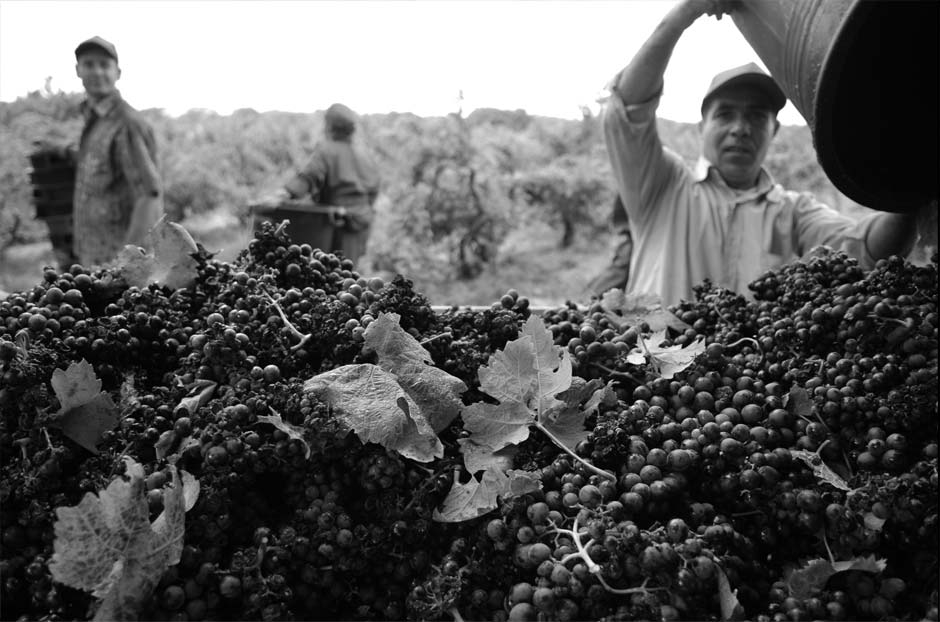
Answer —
737 128
98 72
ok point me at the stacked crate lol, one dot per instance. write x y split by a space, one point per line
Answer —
53 181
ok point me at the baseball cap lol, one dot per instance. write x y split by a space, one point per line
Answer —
96 43
340 117
747 74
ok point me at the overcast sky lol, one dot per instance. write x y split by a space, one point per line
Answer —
547 57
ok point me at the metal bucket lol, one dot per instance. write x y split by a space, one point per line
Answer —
865 76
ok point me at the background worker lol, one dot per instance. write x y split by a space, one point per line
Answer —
343 181
118 191
726 220
617 272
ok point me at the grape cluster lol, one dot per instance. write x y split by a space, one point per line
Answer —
706 483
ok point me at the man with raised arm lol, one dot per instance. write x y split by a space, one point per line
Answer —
725 219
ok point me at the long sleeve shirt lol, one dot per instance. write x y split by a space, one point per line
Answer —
689 225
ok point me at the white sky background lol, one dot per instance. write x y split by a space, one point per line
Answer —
546 57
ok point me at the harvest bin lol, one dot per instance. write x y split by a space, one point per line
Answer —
53 180
314 224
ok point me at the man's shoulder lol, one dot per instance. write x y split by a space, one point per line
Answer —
133 117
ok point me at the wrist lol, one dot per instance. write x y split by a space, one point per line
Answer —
686 12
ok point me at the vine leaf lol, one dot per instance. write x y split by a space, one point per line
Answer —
481 496
821 469
872 522
86 412
199 394
106 544
292 431
371 401
811 578
435 391
171 263
635 309
478 457
798 402
524 377
731 609
665 361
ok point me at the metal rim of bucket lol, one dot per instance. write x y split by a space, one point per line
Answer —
829 135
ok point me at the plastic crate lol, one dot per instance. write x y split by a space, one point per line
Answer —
53 209
53 193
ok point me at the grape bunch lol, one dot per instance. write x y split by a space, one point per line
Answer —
787 472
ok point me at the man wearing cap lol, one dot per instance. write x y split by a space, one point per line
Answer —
118 191
725 220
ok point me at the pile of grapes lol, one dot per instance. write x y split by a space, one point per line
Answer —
788 473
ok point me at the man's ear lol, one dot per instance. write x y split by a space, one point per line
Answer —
776 125
76 71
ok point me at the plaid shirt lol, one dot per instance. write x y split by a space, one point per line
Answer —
116 165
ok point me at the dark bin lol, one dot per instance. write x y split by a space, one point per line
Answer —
53 180
308 224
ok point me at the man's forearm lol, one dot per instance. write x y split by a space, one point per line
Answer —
891 234
643 77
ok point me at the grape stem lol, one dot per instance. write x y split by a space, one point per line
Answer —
430 339
748 340
593 567
590 467
616 374
293 329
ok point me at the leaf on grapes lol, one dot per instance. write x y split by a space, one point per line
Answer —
164 444
199 394
552 363
634 309
869 563
566 420
498 425
872 522
371 401
478 457
21 342
731 609
523 482
292 431
666 361
171 263
129 397
106 544
86 412
478 497
821 469
524 377
813 576
433 389
809 580
471 500
76 385
798 403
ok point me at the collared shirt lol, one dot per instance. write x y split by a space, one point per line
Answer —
688 225
116 165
